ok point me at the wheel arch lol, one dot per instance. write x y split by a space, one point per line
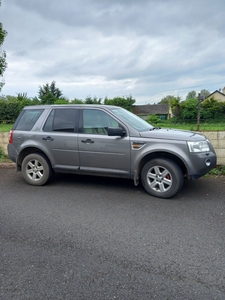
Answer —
29 150
161 154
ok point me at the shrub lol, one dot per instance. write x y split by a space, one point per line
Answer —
9 111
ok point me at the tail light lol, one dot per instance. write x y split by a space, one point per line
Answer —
11 136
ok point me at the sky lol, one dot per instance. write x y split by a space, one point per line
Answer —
146 49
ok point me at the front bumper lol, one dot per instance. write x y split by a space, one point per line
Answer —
200 164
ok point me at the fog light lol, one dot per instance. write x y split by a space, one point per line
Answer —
208 162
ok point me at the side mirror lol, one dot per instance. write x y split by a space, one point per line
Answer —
116 131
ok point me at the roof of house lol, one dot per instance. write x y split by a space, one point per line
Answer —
155 109
210 95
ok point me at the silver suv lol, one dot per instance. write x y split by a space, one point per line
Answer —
106 141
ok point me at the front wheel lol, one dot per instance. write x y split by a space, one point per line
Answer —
36 169
162 178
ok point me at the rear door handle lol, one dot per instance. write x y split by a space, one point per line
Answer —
87 141
48 139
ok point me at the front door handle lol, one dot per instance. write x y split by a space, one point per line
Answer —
87 141
48 139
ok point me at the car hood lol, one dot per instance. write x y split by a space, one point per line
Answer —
173 134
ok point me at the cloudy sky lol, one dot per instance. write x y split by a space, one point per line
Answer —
145 48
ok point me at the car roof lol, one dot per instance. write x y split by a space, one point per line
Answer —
44 106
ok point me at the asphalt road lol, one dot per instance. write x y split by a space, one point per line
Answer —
96 238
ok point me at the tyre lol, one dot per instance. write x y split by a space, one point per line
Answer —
162 178
36 169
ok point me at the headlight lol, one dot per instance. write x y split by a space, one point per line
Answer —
198 146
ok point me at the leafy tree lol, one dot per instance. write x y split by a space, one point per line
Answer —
212 109
3 63
191 95
172 100
8 98
189 109
126 102
204 93
89 100
174 103
61 101
49 93
77 101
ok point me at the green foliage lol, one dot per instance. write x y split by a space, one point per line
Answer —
189 109
61 101
212 109
153 119
204 93
191 95
3 156
89 100
49 93
3 63
77 101
172 100
126 102
8 98
194 95
9 111
218 171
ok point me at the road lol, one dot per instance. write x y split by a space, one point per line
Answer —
96 238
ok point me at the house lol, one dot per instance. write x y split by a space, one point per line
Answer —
218 95
163 111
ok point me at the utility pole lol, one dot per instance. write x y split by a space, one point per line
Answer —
200 99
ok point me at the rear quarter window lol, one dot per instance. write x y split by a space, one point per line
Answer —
27 119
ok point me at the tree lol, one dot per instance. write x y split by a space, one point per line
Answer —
89 100
3 63
189 109
212 109
204 93
125 102
172 100
48 94
77 101
174 103
191 95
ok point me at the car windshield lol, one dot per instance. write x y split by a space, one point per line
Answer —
133 120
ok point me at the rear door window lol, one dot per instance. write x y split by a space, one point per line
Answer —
27 119
61 120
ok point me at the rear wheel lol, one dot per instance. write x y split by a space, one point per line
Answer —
162 178
36 169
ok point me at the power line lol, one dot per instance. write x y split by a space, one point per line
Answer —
177 89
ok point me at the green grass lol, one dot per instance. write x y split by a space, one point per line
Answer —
193 127
5 127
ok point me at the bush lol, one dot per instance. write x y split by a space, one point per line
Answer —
9 111
153 120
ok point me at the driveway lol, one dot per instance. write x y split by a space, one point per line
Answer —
96 238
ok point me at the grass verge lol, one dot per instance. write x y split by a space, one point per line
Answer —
5 127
